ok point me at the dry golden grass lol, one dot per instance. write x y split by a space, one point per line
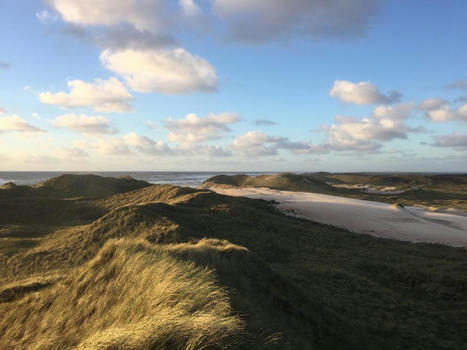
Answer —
132 295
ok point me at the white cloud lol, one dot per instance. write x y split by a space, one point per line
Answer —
194 129
246 20
263 20
218 152
398 112
129 144
145 145
102 95
141 14
112 146
438 110
362 93
2 110
14 123
432 104
257 143
456 141
385 124
88 125
190 8
168 71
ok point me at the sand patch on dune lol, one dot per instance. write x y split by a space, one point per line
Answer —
378 219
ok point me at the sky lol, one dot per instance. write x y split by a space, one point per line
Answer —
233 85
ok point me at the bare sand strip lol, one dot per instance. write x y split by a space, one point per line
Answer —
378 219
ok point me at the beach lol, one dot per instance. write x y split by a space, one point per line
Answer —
384 220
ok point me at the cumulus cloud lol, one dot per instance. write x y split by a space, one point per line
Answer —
218 152
126 37
129 144
148 146
257 143
116 146
134 143
141 14
362 93
121 24
169 71
264 20
385 124
446 113
102 95
456 141
438 110
2 110
5 65
14 123
194 129
88 125
432 104
190 8
245 20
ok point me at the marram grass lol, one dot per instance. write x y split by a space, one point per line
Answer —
130 296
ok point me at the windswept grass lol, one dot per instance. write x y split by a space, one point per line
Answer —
132 295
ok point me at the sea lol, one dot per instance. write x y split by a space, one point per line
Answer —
179 178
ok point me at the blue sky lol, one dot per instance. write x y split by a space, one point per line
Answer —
297 85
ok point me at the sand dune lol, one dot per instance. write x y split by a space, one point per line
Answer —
374 218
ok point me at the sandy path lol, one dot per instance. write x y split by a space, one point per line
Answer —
375 218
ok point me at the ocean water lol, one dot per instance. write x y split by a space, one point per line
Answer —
189 179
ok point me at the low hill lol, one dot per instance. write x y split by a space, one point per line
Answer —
438 191
398 179
285 181
48 203
177 268
66 186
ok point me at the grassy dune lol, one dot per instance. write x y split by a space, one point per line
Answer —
165 267
438 191
130 295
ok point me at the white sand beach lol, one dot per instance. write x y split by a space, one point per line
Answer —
374 218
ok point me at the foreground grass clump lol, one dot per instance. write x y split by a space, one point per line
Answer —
130 296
